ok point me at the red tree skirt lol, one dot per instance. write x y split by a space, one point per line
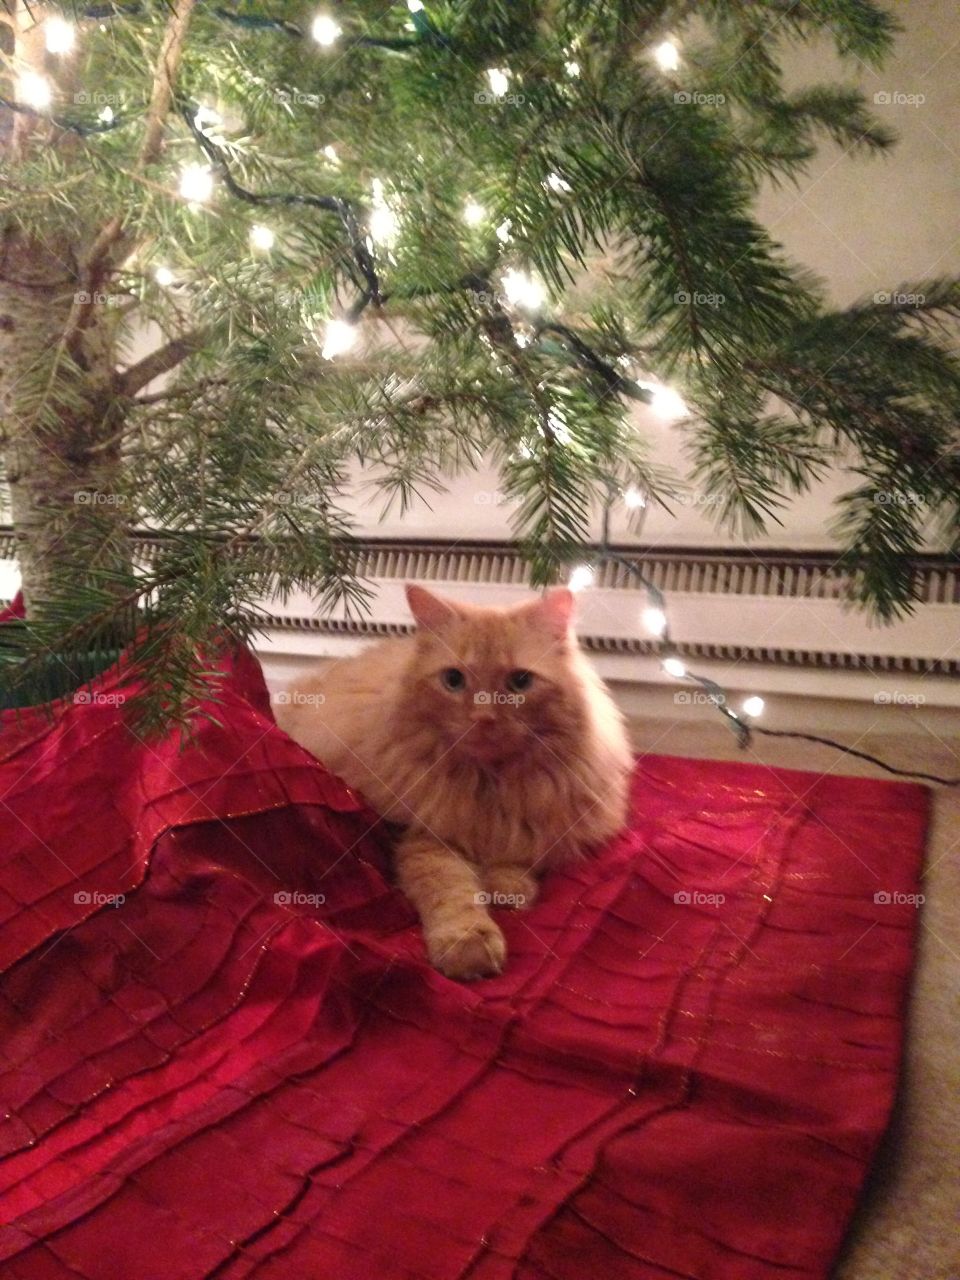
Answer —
208 1080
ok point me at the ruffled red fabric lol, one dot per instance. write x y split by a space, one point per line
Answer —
222 1052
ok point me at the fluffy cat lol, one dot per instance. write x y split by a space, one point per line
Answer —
490 737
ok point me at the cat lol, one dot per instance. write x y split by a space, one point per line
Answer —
489 736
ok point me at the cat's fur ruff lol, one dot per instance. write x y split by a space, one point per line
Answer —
492 790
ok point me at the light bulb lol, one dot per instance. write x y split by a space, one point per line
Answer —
665 402
655 620
572 69
261 238
415 6
473 213
667 56
674 667
339 336
324 30
382 222
753 706
330 153
635 498
106 115
581 577
503 231
35 90
59 35
498 80
196 183
524 291
164 277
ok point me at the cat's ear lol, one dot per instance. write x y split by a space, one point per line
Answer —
554 611
429 610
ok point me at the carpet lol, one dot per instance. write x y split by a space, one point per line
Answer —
223 1054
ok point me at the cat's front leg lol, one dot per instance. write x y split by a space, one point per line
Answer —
509 884
445 887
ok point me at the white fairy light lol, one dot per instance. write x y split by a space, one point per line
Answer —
655 620
554 182
330 153
499 80
674 667
665 402
473 213
503 231
634 498
59 35
106 115
753 706
35 90
383 222
262 238
667 56
324 30
196 183
581 577
164 277
523 290
572 69
415 6
338 336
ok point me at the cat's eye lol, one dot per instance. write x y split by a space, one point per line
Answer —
519 681
453 679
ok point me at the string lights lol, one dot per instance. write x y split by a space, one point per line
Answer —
339 336
59 35
196 183
261 238
325 30
34 95
34 90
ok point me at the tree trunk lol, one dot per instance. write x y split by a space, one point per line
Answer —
60 420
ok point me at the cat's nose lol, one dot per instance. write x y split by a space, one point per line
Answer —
481 714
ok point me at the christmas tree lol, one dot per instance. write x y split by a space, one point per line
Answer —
360 234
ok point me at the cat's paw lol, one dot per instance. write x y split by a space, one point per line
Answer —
509 887
474 950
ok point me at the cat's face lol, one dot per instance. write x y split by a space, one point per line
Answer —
494 683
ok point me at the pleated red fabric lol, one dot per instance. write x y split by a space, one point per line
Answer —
223 1054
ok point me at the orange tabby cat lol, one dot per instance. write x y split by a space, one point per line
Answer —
490 737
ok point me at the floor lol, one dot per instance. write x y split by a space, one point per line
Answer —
907 1227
